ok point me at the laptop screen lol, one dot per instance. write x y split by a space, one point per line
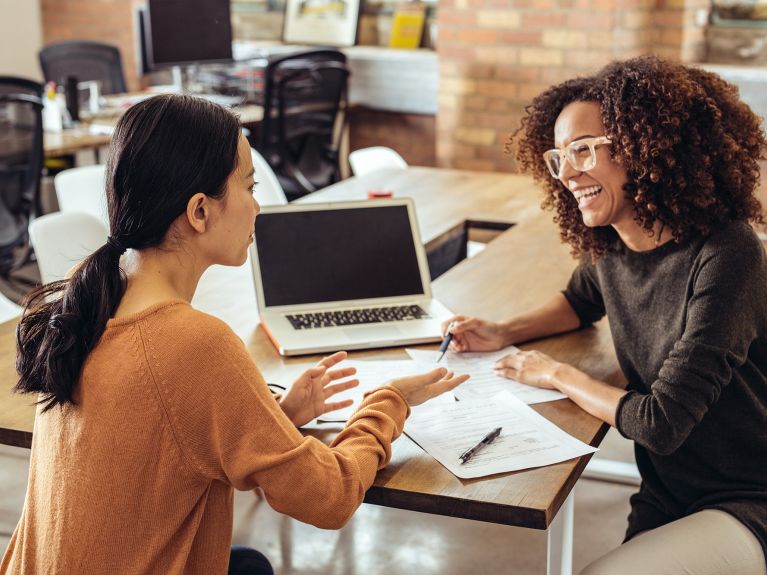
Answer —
318 256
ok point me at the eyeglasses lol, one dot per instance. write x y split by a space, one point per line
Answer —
581 154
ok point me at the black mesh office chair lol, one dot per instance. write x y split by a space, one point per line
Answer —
86 61
21 163
304 104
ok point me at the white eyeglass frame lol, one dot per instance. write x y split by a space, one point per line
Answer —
569 154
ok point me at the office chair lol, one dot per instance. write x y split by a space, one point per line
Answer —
86 61
62 240
368 160
304 104
21 162
268 192
83 190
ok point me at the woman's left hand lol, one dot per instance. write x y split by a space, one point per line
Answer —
308 397
530 367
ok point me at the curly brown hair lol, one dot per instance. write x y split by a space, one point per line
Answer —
689 145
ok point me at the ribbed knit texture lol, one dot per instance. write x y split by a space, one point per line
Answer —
689 323
171 413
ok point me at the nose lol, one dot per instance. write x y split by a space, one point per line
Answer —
256 205
566 170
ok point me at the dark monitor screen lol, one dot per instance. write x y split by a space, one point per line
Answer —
187 31
317 256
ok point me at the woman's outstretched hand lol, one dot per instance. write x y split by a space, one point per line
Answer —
418 389
308 397
474 334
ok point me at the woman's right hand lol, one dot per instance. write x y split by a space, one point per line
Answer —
474 334
418 389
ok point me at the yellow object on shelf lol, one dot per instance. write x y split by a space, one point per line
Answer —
407 26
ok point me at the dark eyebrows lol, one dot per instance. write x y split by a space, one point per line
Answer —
250 174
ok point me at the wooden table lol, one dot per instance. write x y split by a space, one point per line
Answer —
520 269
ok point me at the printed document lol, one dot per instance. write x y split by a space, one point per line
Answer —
484 382
527 439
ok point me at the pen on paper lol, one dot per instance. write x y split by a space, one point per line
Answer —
445 341
487 440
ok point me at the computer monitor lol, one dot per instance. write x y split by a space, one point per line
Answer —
181 32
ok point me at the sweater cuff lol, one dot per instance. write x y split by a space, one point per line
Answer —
621 419
395 390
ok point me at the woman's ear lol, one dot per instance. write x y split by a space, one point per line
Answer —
198 212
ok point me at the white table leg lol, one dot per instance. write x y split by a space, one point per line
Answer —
559 559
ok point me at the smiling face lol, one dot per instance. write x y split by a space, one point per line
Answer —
599 191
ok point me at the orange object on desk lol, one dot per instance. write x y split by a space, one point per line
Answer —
373 194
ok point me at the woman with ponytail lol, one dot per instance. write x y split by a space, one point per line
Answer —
151 412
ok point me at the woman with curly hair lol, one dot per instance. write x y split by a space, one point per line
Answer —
651 168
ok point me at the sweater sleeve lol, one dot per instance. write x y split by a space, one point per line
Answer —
230 428
584 294
724 316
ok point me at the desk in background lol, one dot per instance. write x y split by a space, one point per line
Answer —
82 138
520 269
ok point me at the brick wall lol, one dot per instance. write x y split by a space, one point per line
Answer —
496 55
109 21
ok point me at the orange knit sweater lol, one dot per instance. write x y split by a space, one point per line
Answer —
171 413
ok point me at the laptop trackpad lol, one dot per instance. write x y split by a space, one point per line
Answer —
377 333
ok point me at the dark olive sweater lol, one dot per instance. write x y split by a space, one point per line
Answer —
689 323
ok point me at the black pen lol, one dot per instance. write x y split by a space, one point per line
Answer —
487 440
445 342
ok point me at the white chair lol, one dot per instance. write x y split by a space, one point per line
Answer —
8 309
376 158
61 240
269 192
83 190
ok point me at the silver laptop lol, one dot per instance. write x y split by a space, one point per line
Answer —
343 275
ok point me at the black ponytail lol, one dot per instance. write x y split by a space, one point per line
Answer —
164 150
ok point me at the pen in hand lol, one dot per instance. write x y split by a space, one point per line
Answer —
445 341
487 440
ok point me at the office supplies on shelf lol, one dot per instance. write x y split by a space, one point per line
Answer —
484 381
528 440
484 442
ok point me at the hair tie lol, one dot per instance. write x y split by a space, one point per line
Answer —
116 245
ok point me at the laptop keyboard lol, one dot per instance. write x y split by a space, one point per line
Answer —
356 316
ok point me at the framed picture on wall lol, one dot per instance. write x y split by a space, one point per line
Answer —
326 22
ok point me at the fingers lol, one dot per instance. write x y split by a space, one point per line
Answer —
333 359
341 373
446 324
332 406
509 361
465 324
332 390
316 371
507 373
448 383
430 377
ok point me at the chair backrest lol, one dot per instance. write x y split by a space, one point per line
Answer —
83 190
269 192
8 309
376 158
304 102
85 61
21 161
62 240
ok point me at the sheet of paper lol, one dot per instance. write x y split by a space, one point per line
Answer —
372 374
484 382
527 438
